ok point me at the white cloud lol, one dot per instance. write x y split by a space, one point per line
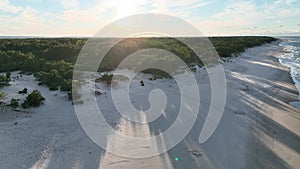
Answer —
179 8
281 8
290 2
69 22
69 4
234 19
5 6
29 13
237 17
78 21
248 18
240 14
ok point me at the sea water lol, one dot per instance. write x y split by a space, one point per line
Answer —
291 58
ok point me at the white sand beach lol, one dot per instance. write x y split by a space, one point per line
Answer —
259 128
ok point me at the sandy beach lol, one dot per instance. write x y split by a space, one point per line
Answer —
259 128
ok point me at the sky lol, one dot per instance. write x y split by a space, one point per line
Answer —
211 17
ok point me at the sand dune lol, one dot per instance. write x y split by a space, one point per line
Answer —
259 128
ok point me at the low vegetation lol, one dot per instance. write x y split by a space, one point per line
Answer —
24 91
4 79
108 78
52 60
2 96
228 46
34 99
105 78
14 103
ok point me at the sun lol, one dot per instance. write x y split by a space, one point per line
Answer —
125 8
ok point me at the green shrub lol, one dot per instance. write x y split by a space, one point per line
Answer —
51 79
74 95
105 78
8 75
66 85
53 86
14 103
34 99
4 79
2 96
108 78
97 93
24 91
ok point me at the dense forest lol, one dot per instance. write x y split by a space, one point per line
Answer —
52 59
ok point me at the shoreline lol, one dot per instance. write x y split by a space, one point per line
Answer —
259 128
289 77
285 50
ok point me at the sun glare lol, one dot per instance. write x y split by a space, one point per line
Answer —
125 8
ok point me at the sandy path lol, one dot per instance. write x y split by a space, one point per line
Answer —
259 129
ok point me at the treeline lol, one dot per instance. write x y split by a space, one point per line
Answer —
228 46
52 59
128 46
47 48
51 73
225 47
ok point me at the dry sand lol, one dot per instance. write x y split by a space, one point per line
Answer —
259 128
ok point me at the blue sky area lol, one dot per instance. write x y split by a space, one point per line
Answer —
86 17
